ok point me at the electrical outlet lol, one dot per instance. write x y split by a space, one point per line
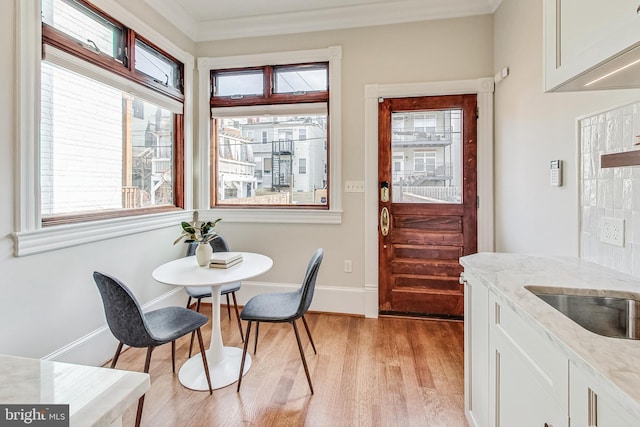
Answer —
612 231
348 266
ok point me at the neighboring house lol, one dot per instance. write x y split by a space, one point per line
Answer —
236 167
424 146
287 155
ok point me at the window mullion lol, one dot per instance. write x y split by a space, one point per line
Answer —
130 53
268 82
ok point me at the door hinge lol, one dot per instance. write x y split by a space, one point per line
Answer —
477 202
477 112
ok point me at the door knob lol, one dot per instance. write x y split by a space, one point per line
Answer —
384 221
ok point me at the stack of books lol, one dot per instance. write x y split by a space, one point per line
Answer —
225 259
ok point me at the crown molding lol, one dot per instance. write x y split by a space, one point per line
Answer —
336 18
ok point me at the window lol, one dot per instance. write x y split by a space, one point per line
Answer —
295 112
47 49
109 145
424 161
266 113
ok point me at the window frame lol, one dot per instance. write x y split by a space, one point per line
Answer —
276 214
30 237
56 38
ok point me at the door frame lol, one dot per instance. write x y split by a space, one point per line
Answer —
483 88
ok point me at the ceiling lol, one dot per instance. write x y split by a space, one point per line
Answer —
204 20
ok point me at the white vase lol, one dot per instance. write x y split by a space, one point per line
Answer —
203 254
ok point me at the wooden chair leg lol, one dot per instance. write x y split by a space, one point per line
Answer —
117 355
255 343
193 334
141 400
173 356
304 360
228 307
235 305
309 334
204 360
244 355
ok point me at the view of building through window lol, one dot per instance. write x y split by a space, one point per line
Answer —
108 150
427 153
269 160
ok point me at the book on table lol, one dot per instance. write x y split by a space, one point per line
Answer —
225 258
226 264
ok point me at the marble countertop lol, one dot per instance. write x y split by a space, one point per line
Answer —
96 396
615 360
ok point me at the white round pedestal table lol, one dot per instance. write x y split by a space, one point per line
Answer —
224 362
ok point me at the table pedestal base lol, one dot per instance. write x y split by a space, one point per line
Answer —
222 372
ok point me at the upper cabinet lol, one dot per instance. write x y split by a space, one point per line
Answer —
591 44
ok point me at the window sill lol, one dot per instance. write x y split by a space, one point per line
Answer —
273 216
64 236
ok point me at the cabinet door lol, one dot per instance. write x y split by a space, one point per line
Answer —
580 34
528 375
523 401
591 404
476 351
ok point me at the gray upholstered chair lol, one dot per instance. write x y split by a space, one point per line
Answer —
134 328
283 307
218 244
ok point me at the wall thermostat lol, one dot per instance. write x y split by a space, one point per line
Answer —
556 173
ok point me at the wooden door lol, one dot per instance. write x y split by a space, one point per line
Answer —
427 202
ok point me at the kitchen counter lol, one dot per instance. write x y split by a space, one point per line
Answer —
616 361
96 396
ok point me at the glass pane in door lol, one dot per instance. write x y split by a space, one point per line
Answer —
427 156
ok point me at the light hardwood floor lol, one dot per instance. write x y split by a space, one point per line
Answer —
368 372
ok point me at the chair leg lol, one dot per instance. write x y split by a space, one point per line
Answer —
309 334
235 305
244 354
228 307
304 361
173 356
204 360
189 302
141 400
117 355
255 343
193 334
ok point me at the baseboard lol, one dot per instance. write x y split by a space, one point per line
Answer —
97 347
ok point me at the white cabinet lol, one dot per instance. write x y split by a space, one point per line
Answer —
513 375
586 39
528 375
476 351
592 403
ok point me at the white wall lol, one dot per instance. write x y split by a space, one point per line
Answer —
531 129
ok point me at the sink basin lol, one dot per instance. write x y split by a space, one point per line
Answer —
609 315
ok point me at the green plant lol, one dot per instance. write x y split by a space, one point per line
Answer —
201 232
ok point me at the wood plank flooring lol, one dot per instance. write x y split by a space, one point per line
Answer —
389 371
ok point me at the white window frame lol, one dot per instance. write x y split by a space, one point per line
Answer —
332 55
30 237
